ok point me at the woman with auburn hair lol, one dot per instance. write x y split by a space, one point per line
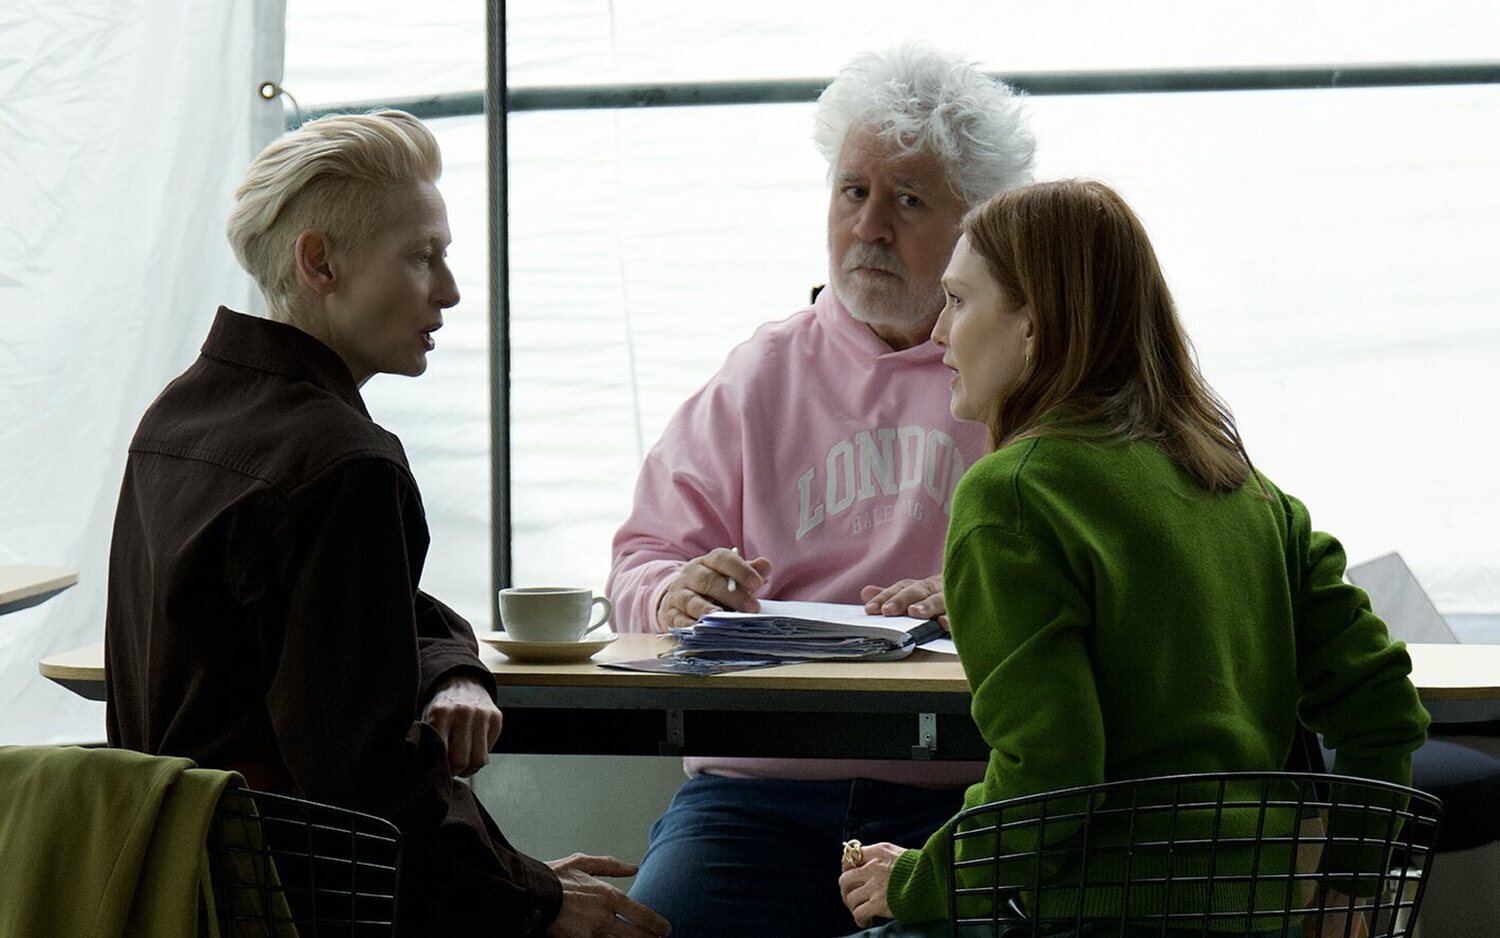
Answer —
1129 597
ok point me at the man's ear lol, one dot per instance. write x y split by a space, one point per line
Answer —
312 253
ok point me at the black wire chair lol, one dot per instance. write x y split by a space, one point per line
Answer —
1264 853
286 867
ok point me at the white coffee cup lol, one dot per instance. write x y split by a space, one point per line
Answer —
550 613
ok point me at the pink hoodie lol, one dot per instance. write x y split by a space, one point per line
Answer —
820 448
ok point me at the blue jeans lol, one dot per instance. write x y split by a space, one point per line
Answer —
761 857
1089 930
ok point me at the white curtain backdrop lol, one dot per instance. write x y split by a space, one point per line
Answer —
124 127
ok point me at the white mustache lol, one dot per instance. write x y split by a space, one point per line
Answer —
868 255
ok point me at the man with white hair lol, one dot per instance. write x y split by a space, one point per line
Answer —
819 464
264 613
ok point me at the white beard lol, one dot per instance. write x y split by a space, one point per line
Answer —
893 302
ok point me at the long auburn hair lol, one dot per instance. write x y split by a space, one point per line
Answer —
1108 347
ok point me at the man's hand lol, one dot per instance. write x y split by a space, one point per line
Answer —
863 887
922 599
702 586
468 721
591 908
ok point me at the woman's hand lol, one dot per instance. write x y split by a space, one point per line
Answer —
863 886
921 599
467 720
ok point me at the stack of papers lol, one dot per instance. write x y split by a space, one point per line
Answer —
804 632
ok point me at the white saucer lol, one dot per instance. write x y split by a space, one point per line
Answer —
546 652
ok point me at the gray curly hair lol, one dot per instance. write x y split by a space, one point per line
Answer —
921 99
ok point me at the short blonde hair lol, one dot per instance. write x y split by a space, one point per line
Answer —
331 175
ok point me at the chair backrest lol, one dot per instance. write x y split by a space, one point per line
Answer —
284 866
1211 854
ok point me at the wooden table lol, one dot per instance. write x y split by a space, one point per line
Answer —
22 587
914 708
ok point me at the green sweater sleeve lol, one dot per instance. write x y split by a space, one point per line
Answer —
1355 689
1020 623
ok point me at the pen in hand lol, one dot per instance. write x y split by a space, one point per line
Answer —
732 585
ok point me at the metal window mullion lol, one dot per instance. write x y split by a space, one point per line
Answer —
806 90
496 105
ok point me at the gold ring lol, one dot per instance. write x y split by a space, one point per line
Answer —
853 853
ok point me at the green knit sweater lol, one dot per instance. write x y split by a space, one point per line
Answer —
1115 620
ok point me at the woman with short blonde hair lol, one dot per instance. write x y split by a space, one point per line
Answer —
333 174
264 609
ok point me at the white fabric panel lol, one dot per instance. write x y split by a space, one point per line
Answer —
124 127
